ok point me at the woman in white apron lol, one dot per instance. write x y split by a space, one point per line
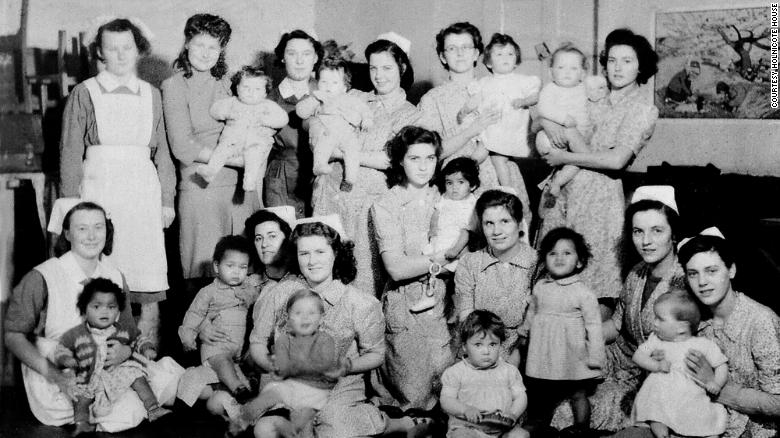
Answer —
56 284
114 152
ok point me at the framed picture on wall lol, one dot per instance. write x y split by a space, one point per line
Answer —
714 63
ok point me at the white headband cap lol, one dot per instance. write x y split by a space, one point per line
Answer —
399 41
711 231
662 194
331 220
285 213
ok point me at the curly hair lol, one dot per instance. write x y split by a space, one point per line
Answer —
204 24
397 147
232 243
100 285
461 28
344 265
249 71
645 55
297 34
338 65
466 166
119 25
400 57
63 244
481 322
501 40
563 233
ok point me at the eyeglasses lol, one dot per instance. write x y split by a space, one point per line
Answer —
458 49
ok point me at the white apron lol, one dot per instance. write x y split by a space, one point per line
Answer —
120 176
50 406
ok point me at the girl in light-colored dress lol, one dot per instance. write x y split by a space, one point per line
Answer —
669 398
565 343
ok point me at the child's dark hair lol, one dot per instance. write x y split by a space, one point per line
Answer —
500 39
466 166
249 71
683 308
337 65
232 243
569 48
301 294
99 285
482 321
563 233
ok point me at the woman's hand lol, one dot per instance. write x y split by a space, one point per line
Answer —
168 215
344 367
472 414
212 334
483 120
700 369
66 381
557 135
116 353
555 158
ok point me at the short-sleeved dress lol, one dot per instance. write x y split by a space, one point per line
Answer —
439 112
354 320
418 344
482 281
565 331
614 398
206 211
594 202
391 113
673 398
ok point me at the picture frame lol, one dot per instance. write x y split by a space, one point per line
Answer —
714 63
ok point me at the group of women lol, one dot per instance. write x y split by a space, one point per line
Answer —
379 250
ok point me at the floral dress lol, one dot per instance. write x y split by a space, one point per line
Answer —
593 202
439 110
354 319
390 113
418 344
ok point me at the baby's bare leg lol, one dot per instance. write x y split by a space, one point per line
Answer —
659 429
255 163
153 409
222 364
576 141
501 163
562 177
543 143
351 149
219 157
323 144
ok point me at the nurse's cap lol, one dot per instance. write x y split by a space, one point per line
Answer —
662 194
58 212
285 213
399 41
331 220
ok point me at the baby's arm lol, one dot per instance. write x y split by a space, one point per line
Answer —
273 115
307 107
434 224
519 398
480 153
454 251
64 357
562 177
449 398
530 93
188 332
643 358
721 377
222 108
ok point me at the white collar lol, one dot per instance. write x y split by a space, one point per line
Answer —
110 83
77 275
288 88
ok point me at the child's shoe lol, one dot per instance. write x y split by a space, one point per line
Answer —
83 427
346 186
156 413
425 303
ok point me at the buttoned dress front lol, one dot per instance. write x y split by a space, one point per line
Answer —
418 343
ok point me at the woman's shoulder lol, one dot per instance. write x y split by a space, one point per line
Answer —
177 79
358 298
757 314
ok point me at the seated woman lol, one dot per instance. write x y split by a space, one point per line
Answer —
352 317
747 332
56 284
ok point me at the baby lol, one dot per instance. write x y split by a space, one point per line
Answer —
564 102
224 303
83 349
512 94
669 399
453 218
482 394
305 357
251 123
337 114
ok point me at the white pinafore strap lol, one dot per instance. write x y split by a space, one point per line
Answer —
122 119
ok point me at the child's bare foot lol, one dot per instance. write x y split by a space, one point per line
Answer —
205 172
156 413
322 170
425 303
83 427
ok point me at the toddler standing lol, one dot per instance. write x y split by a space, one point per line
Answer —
305 359
482 394
337 114
225 303
565 343
565 102
83 349
669 399
251 123
453 218
511 93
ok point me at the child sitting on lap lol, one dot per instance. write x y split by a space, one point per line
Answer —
251 123
337 114
83 349
224 303
482 394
